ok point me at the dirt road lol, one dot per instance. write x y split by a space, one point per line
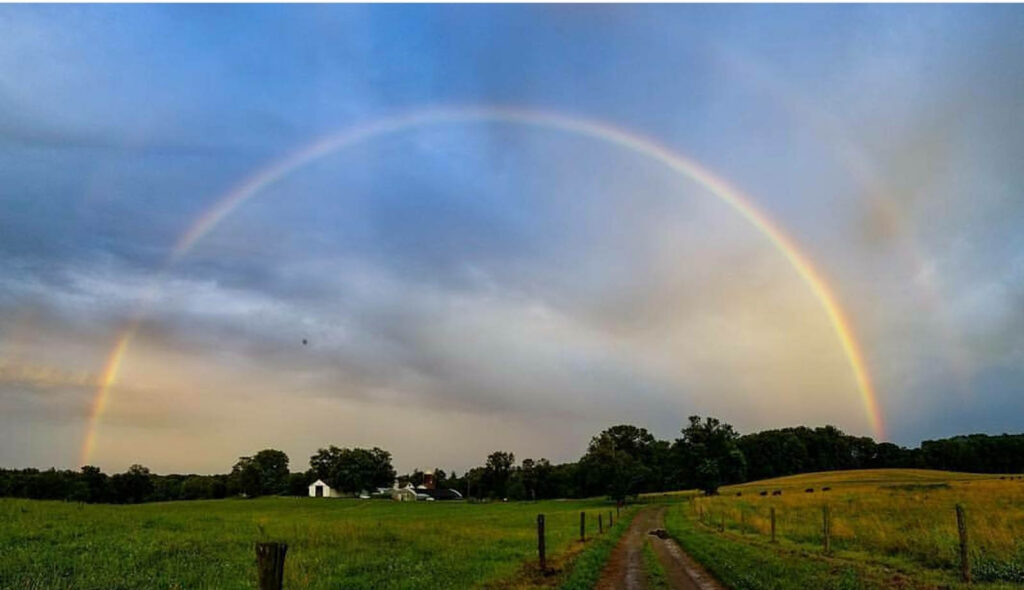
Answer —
625 568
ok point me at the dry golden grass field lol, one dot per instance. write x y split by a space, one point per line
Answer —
900 518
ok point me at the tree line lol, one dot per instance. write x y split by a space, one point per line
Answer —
620 461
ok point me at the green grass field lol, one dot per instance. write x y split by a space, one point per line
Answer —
332 543
890 528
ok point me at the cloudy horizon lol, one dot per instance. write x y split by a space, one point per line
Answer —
448 290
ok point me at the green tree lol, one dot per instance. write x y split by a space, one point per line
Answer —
709 454
353 470
497 472
273 468
132 486
166 488
197 487
618 462
97 484
265 473
298 483
528 478
245 478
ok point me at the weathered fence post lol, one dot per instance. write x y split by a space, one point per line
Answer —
617 505
540 543
270 565
965 563
600 525
826 517
700 515
583 527
721 522
611 522
773 523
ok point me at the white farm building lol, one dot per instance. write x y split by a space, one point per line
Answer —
426 491
318 489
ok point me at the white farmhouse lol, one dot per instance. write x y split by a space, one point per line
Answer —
406 494
318 489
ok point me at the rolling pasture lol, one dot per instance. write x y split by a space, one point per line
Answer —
888 528
332 543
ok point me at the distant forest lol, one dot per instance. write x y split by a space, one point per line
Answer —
621 461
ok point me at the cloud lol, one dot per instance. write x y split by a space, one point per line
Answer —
469 286
43 377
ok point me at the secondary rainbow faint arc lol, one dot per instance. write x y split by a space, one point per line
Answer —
635 143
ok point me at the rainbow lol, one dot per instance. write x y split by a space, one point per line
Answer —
107 380
637 144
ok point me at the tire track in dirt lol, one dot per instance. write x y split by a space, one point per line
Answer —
625 568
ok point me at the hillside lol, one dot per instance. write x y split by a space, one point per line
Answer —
886 528
861 477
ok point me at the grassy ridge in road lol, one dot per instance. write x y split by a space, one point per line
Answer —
209 544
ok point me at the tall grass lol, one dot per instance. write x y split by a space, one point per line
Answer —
752 566
893 517
332 543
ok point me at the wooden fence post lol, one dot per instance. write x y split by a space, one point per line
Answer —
773 523
540 543
965 563
270 565
611 522
826 517
600 525
721 522
617 505
583 527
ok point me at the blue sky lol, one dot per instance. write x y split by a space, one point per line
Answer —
475 286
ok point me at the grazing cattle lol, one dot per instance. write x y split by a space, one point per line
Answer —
809 490
825 489
739 493
764 492
777 492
